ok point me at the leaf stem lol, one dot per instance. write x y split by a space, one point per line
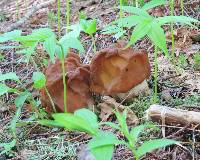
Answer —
121 12
64 79
155 95
172 32
67 14
94 44
182 7
59 18
51 100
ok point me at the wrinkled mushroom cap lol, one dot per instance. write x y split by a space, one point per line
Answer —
78 94
117 70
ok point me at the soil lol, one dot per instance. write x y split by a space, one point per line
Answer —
178 84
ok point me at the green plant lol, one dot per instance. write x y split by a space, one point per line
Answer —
196 59
182 7
182 60
146 25
102 143
90 27
172 31
87 26
67 14
59 17
45 36
51 18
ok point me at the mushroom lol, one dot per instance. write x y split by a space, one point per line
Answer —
117 70
77 78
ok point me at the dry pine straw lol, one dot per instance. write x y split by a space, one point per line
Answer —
188 135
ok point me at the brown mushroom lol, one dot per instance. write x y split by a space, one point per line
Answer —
117 70
77 78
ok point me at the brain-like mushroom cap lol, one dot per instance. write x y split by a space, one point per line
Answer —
77 78
117 70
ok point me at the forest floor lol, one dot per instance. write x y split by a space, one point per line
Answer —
178 87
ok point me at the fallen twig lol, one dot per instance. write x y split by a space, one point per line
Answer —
34 9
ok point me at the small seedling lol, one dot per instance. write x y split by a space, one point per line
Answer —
182 60
90 27
102 143
196 59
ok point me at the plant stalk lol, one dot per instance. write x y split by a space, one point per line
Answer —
121 12
67 15
51 100
94 44
172 32
59 18
155 95
182 7
64 79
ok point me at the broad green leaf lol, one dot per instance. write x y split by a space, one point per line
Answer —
157 36
154 3
136 131
88 116
42 34
102 145
39 35
19 102
139 32
39 80
129 21
53 123
5 89
180 19
10 35
75 30
138 11
9 76
50 47
70 42
89 27
119 34
74 122
122 122
111 29
151 145
7 146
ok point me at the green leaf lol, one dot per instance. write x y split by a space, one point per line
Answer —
74 123
39 35
179 19
151 145
39 80
89 27
50 47
154 3
7 146
136 131
5 89
157 35
139 32
9 76
129 21
102 145
88 116
53 123
138 11
10 35
19 102
70 42
75 30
